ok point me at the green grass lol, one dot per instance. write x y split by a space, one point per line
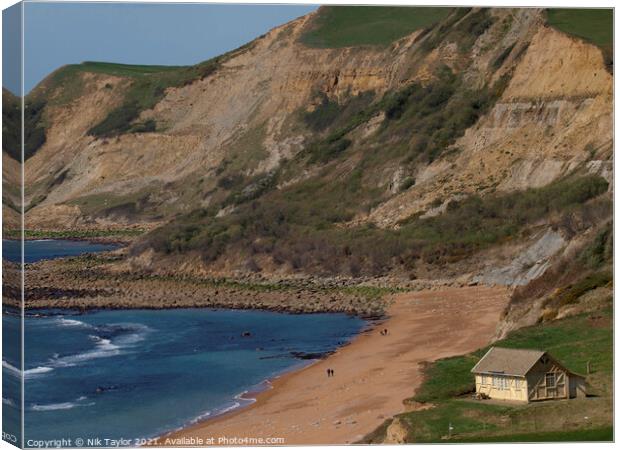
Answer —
593 25
69 72
447 378
124 70
573 341
348 26
603 434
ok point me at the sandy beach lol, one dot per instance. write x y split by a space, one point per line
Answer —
372 375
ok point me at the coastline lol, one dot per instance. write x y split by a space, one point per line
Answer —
106 280
373 374
252 396
256 394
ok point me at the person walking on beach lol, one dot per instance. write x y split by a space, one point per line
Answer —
329 373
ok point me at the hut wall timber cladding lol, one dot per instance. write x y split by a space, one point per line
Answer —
525 376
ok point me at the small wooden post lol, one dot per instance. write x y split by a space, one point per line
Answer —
588 368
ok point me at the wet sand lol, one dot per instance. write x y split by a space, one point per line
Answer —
373 375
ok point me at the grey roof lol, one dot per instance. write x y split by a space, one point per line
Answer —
508 361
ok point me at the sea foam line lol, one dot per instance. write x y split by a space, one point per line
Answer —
28 373
72 323
62 405
103 349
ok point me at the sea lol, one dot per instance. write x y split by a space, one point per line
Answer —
135 374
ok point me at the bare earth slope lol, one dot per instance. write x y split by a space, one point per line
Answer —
244 119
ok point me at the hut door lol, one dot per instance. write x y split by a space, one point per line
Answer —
555 384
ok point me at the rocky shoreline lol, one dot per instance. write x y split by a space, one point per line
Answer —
105 281
98 282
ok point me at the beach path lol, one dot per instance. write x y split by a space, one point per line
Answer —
372 375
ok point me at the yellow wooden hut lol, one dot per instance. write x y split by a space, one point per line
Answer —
525 376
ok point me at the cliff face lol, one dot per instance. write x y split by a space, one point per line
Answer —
407 158
245 111
554 115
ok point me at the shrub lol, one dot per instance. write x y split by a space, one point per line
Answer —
299 226
407 183
323 115
601 250
437 114
117 121
497 62
230 181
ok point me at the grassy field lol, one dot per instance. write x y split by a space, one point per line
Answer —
593 25
348 26
603 434
574 341
121 70
124 70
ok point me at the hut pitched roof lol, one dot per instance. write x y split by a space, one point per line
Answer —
508 361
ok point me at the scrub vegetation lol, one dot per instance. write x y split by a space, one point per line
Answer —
298 226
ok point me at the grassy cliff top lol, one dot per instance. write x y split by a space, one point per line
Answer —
594 25
349 26
122 70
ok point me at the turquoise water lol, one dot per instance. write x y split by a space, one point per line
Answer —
138 373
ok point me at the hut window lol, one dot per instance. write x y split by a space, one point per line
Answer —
484 379
517 383
500 382
550 379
